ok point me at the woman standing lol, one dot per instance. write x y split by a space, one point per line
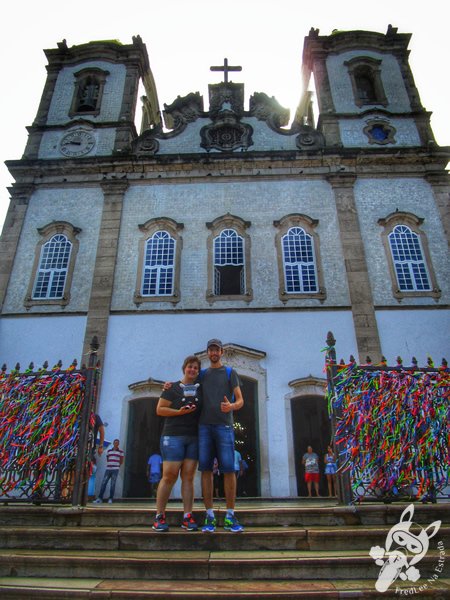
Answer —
330 471
180 406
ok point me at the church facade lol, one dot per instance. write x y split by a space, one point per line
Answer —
225 220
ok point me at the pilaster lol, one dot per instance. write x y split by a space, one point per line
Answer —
105 263
440 185
363 311
12 229
36 130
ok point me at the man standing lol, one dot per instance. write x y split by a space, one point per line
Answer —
312 475
221 397
114 459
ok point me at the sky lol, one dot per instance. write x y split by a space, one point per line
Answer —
185 37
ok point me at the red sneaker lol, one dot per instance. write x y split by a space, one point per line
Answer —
189 523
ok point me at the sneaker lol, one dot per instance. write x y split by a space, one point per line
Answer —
98 501
160 524
232 524
110 501
189 523
210 524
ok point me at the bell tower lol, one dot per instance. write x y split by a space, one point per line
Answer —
89 101
365 90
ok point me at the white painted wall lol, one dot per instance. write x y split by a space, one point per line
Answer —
419 333
37 339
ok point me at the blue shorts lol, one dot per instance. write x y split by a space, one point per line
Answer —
175 448
216 441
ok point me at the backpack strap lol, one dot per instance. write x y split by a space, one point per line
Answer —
229 369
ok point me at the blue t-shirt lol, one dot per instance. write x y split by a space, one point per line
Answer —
155 462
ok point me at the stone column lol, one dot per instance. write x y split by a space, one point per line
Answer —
440 185
12 228
328 122
366 329
105 264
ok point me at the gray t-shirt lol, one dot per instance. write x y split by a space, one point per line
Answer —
311 462
215 385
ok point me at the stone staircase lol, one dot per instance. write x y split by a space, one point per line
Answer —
295 549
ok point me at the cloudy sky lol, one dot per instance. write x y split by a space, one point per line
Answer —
185 37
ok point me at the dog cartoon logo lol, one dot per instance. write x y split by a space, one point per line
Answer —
404 549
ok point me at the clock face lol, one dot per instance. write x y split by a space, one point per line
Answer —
77 143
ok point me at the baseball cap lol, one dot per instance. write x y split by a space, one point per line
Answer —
214 342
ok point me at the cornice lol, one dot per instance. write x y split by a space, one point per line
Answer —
34 174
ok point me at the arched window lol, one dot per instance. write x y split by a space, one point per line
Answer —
298 258
158 275
88 92
159 265
228 260
54 263
229 265
299 262
365 85
52 272
409 263
408 256
365 76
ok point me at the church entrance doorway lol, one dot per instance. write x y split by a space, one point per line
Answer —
247 439
311 427
144 432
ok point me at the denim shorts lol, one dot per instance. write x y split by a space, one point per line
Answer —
175 448
216 441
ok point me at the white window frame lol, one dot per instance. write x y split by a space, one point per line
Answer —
412 223
163 243
56 229
151 228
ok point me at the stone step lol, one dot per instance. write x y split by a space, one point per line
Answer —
15 588
198 565
144 538
105 538
299 515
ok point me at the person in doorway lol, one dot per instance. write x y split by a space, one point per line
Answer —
221 397
241 491
330 470
312 474
237 468
114 460
180 405
154 466
216 478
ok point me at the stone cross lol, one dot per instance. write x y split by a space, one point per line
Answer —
226 69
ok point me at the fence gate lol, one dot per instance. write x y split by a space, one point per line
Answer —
391 428
46 432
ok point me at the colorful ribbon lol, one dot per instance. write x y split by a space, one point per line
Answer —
392 429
